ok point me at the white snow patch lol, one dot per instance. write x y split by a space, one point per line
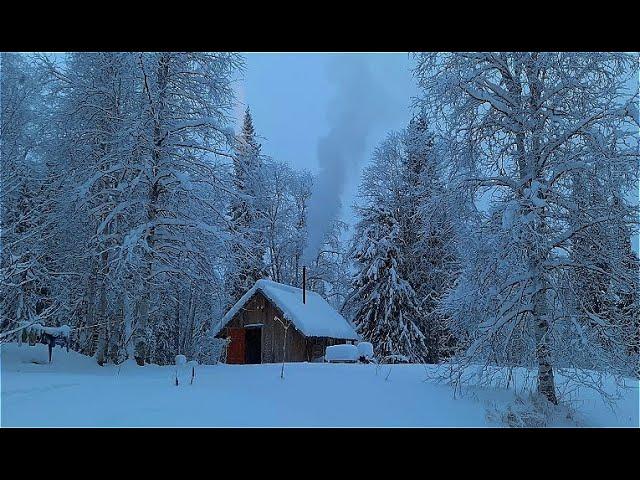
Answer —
342 353
75 391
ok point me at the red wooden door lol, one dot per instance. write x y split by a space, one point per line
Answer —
235 354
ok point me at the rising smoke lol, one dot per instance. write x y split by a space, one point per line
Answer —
359 104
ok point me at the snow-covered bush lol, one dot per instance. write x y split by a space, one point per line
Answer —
395 359
365 349
532 411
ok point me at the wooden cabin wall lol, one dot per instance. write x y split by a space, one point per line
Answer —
299 348
260 310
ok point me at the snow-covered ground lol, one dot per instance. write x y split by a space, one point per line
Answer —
74 391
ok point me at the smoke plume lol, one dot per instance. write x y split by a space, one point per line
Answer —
359 104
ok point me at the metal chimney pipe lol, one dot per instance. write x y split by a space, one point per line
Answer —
304 284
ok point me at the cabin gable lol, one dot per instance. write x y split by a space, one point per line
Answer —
259 313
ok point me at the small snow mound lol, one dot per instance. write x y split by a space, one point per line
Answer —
342 353
366 350
35 358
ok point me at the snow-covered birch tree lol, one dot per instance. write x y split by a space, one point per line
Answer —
25 277
521 126
187 101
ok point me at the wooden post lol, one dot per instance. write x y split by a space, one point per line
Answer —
285 325
304 284
284 351
51 341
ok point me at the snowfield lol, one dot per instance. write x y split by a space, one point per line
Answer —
74 391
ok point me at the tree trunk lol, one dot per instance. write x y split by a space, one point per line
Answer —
86 334
103 329
177 323
140 349
546 383
537 256
157 109
128 324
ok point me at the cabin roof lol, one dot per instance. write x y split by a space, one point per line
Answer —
315 318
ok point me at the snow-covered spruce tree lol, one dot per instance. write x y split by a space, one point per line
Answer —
521 124
247 212
409 179
429 237
603 285
383 305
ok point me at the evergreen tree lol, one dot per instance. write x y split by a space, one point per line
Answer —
385 308
247 212
383 305
603 284
429 237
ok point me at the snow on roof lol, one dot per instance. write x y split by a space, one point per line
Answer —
315 318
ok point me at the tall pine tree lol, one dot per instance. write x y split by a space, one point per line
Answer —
247 214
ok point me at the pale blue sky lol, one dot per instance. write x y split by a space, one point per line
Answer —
289 96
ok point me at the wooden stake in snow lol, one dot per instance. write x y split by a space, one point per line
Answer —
284 344
192 364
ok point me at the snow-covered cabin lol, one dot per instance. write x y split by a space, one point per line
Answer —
256 325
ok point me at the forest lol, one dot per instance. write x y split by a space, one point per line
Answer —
495 229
